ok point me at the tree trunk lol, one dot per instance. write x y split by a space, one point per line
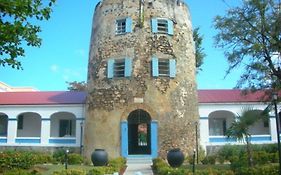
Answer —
249 152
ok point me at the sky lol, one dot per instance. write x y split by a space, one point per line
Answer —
63 55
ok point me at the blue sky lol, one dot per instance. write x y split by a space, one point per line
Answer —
63 55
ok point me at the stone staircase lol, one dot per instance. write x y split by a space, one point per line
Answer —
139 165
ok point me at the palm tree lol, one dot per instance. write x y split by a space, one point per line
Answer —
239 128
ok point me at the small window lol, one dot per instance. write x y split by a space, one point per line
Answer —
20 122
123 26
119 68
163 67
160 25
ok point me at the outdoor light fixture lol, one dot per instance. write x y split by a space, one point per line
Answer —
275 98
66 158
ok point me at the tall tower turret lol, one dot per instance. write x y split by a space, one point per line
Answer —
141 79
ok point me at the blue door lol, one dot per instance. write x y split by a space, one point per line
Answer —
139 135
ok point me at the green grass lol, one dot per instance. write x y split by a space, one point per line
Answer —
49 169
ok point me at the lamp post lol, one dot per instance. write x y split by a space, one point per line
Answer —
275 97
81 137
193 166
196 140
66 158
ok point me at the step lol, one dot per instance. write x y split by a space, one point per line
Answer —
139 160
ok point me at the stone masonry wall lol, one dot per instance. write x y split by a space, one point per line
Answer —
172 102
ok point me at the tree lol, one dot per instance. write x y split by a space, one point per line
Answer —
18 27
77 86
199 50
251 36
239 128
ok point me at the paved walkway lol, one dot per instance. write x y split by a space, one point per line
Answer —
139 166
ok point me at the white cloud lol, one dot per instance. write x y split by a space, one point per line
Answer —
54 68
80 52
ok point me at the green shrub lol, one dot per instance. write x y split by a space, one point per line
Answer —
41 158
214 172
117 163
74 158
20 172
16 159
114 165
238 162
261 157
70 172
59 156
211 159
270 169
101 170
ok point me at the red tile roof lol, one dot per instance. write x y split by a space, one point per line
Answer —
229 96
74 97
42 98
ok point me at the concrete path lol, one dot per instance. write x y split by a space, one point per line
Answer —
139 166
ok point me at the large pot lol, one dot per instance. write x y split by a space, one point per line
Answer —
175 157
99 157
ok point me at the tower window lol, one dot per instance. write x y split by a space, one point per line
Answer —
123 26
163 67
160 25
119 68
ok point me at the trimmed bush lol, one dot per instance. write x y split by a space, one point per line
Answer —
74 158
270 169
114 165
16 159
20 172
70 172
209 160
101 170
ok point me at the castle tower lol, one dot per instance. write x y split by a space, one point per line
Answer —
141 79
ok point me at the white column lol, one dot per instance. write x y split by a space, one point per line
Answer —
12 131
78 132
45 131
273 129
204 131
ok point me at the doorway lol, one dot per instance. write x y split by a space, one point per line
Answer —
139 132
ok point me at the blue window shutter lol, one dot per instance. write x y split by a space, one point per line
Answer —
170 27
128 25
124 138
172 67
110 68
154 138
128 67
155 70
154 25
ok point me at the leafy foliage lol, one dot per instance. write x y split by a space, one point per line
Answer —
77 86
239 128
251 36
18 27
199 50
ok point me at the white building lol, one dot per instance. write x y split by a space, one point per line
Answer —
55 119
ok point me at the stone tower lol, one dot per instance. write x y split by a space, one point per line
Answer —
142 94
